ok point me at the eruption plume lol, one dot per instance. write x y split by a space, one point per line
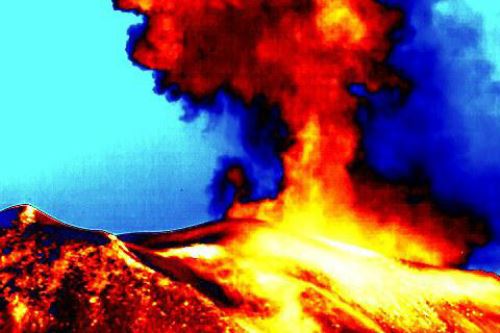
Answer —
303 56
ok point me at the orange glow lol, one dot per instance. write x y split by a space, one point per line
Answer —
28 215
336 19
229 276
294 277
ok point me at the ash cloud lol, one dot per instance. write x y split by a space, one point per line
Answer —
446 129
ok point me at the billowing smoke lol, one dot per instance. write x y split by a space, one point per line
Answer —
444 131
283 68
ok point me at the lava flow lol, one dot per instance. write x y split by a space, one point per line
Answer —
56 278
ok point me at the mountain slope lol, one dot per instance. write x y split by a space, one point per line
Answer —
57 278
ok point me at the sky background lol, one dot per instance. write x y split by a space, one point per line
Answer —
84 138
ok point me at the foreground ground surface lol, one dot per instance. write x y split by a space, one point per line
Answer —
56 278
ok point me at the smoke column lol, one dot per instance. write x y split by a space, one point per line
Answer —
286 67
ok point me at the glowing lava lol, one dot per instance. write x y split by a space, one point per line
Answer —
58 278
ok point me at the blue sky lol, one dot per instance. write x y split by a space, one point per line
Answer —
83 136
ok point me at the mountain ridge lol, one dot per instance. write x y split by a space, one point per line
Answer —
59 278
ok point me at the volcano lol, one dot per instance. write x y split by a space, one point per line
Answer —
212 278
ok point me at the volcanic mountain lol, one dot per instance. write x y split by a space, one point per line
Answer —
213 278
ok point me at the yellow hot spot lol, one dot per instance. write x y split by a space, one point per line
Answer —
163 282
313 216
145 5
28 215
336 20
198 251
19 310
